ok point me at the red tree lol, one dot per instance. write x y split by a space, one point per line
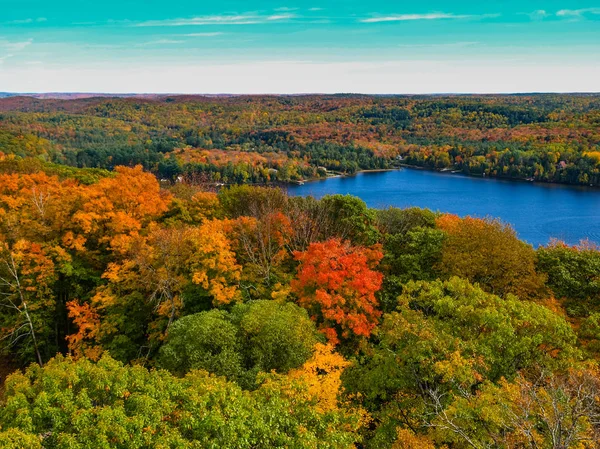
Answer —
336 283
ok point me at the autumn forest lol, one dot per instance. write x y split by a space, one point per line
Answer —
159 289
254 139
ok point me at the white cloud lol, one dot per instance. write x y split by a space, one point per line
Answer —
315 9
280 17
440 45
164 42
405 17
15 46
538 14
4 58
217 33
239 19
577 12
26 21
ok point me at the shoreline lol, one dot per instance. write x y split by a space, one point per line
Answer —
446 171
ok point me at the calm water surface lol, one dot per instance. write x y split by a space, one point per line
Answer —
538 212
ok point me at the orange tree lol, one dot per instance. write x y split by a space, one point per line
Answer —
337 283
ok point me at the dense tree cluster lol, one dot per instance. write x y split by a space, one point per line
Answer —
177 317
263 139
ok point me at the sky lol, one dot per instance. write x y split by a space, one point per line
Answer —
299 46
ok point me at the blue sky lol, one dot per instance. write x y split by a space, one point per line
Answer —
299 46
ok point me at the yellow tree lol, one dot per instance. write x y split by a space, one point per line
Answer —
26 276
116 209
38 207
157 270
322 376
489 253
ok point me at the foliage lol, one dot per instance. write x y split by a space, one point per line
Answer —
489 253
80 404
322 376
337 284
443 332
351 219
446 339
258 336
573 274
266 139
412 250
553 411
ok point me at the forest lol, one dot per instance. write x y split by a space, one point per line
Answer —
141 314
279 139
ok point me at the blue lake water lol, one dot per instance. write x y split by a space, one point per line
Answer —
538 212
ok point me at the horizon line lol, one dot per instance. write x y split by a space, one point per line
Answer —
239 94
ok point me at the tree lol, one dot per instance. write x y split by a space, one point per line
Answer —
257 202
26 277
117 208
213 262
400 221
555 411
87 320
322 375
589 334
152 284
262 231
310 220
191 206
350 219
489 253
277 336
15 439
262 246
573 275
408 439
412 250
447 339
208 341
82 404
336 283
260 336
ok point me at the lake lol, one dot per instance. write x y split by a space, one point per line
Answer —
538 212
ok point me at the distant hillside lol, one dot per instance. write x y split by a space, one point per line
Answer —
84 95
230 139
74 95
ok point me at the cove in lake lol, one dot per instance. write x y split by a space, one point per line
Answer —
538 212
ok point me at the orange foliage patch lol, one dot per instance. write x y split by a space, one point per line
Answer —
337 284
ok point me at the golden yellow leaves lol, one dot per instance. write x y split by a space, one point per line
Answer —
322 376
407 439
214 265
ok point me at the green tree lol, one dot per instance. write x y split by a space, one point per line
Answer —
206 340
573 275
256 336
412 250
350 219
79 404
448 337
